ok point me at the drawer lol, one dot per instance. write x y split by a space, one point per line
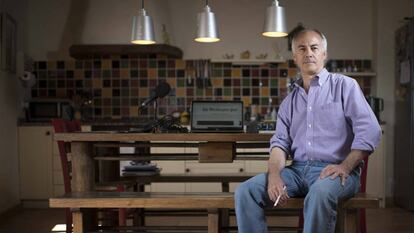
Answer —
171 167
256 166
215 168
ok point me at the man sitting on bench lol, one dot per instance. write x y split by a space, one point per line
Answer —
328 128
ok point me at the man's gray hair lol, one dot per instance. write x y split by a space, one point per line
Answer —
298 34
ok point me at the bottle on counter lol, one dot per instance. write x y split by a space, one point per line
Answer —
273 114
268 116
247 114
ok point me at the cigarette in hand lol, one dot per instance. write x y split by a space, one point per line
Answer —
278 197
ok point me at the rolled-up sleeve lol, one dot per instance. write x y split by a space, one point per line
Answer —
367 131
281 138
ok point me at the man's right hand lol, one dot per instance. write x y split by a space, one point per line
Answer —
275 186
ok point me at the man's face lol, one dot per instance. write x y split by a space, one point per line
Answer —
309 54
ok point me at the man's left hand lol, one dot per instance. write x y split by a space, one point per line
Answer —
334 171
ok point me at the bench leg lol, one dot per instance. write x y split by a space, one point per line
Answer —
77 221
213 221
351 221
224 213
224 220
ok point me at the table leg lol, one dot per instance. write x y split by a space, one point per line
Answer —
77 221
351 221
83 174
213 221
139 216
83 177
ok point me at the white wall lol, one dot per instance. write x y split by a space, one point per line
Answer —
347 25
46 23
110 21
57 24
390 17
9 112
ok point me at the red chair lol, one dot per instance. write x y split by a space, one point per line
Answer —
362 189
65 126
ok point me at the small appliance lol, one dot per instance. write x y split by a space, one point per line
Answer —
47 109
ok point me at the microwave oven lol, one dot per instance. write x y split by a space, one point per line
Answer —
47 109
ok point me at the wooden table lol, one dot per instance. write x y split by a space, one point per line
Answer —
83 174
213 147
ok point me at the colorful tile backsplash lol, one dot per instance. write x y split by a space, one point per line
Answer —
117 86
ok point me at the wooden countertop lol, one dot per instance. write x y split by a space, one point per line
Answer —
124 136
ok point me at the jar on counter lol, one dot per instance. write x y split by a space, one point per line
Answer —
185 117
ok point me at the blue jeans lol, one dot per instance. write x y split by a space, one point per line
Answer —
302 180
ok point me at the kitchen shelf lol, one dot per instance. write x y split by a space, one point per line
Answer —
89 51
358 74
248 61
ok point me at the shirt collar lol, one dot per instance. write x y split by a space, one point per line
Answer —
322 76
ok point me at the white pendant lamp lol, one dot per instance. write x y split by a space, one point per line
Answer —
275 21
206 26
142 28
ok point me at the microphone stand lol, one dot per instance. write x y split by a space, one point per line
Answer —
155 127
156 110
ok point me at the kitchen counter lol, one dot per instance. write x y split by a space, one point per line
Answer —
133 122
128 123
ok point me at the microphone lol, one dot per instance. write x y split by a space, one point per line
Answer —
160 91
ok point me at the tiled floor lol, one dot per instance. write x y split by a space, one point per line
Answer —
389 220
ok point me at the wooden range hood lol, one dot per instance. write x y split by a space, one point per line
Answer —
86 51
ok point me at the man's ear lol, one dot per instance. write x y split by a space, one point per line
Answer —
326 57
294 59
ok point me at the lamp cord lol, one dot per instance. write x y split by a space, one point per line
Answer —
142 4
206 2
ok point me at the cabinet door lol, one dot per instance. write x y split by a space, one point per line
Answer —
168 167
194 167
35 152
256 166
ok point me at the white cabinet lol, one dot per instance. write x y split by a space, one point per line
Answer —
40 168
192 167
168 167
35 162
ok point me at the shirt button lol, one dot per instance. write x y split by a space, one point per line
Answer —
310 126
309 143
310 108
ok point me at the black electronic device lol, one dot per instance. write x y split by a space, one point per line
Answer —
160 91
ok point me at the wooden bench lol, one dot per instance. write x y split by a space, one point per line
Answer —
212 202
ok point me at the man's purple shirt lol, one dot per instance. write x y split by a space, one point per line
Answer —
326 123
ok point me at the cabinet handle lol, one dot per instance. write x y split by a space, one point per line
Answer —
187 170
241 170
47 133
